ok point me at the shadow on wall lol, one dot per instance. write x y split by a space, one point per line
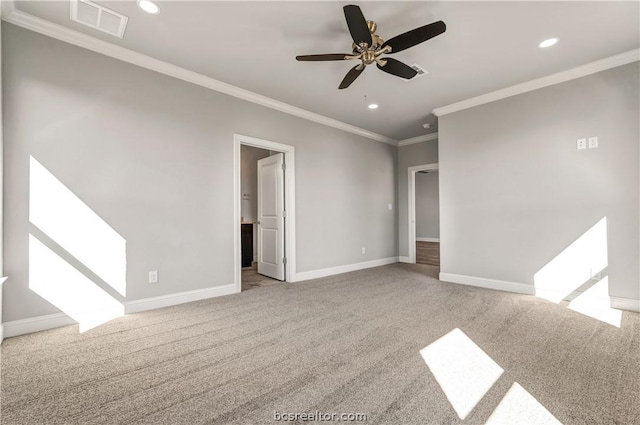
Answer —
578 273
75 258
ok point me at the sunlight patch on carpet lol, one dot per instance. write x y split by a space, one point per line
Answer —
463 370
520 407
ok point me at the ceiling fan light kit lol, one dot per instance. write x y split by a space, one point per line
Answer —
368 47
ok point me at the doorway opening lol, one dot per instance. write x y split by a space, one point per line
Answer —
424 215
264 215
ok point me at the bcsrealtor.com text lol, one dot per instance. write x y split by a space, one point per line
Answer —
318 416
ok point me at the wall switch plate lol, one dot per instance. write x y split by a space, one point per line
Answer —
364 250
593 142
581 144
390 207
153 276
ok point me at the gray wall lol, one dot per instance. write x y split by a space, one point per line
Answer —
515 192
153 157
427 205
409 156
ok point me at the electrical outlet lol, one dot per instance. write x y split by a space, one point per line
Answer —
593 142
364 250
581 144
153 276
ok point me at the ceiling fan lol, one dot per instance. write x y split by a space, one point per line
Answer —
368 46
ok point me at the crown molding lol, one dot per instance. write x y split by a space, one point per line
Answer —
42 26
560 77
419 139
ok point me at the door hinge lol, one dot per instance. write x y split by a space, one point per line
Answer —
284 213
284 260
284 166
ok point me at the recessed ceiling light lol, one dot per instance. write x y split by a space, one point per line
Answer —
149 6
373 106
548 43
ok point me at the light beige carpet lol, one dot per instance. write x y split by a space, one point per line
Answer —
347 343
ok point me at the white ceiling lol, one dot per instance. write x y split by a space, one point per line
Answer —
487 46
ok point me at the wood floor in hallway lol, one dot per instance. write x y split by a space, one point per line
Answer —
428 253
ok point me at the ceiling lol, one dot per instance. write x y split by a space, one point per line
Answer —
487 46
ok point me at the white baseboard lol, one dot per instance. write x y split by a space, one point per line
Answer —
403 259
500 285
555 296
57 320
628 304
619 303
315 274
427 239
153 303
37 324
1 333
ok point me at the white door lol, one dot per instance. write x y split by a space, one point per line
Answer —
271 216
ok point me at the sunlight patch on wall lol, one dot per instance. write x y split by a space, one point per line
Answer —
576 265
63 217
55 280
520 407
594 302
465 372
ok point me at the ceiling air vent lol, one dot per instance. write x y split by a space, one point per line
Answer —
98 17
420 72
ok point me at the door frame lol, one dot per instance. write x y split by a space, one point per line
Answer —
289 205
411 208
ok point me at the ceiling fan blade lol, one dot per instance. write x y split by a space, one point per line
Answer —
357 24
325 57
397 68
415 36
351 76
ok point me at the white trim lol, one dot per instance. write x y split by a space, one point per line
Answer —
427 239
549 80
500 285
33 23
37 324
316 274
161 301
628 304
552 295
411 208
289 197
403 259
419 139
619 303
57 320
